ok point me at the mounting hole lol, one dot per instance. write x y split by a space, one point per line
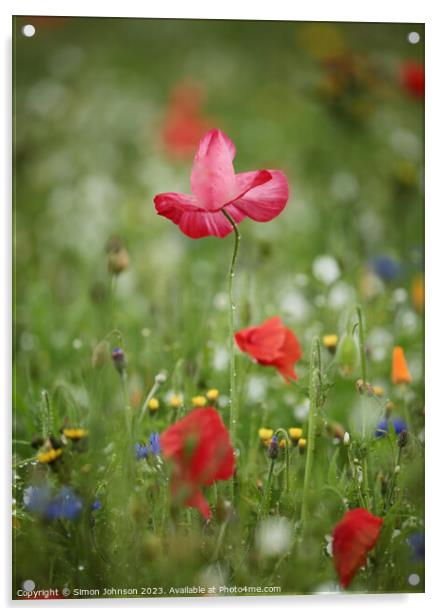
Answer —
28 30
413 38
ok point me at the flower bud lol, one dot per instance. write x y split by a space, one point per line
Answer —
273 448
119 359
153 405
100 354
347 355
118 261
160 378
402 439
302 445
346 439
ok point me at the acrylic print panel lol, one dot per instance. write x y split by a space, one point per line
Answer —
196 413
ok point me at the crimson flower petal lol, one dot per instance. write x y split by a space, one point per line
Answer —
201 451
354 536
263 202
213 177
195 222
271 344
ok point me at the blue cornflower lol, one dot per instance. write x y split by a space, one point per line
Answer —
417 543
66 505
141 451
388 269
154 442
37 498
96 505
383 427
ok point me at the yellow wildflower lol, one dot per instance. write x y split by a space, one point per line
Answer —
48 457
198 401
265 434
75 434
295 434
302 444
212 395
153 405
330 341
175 401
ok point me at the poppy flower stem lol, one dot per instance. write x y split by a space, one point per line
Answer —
232 388
362 345
314 387
283 432
268 490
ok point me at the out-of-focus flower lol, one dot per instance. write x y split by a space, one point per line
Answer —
184 124
201 452
199 401
36 498
136 398
49 456
96 505
335 429
175 401
212 395
153 405
274 536
321 40
118 258
64 505
400 372
378 390
387 268
295 434
100 354
260 195
418 293
273 448
346 439
119 359
301 445
417 543
347 355
154 444
75 434
330 342
353 537
265 434
383 427
141 451
271 344
412 78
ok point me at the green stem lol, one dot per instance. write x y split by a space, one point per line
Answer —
314 382
232 388
362 345
268 490
287 446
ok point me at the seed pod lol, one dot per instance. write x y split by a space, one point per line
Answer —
347 355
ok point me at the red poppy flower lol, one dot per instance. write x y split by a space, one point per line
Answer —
354 536
184 123
412 75
271 344
260 195
202 453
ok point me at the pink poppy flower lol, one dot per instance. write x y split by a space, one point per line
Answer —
260 195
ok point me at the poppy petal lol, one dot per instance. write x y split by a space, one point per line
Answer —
263 342
213 177
263 202
354 536
195 222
